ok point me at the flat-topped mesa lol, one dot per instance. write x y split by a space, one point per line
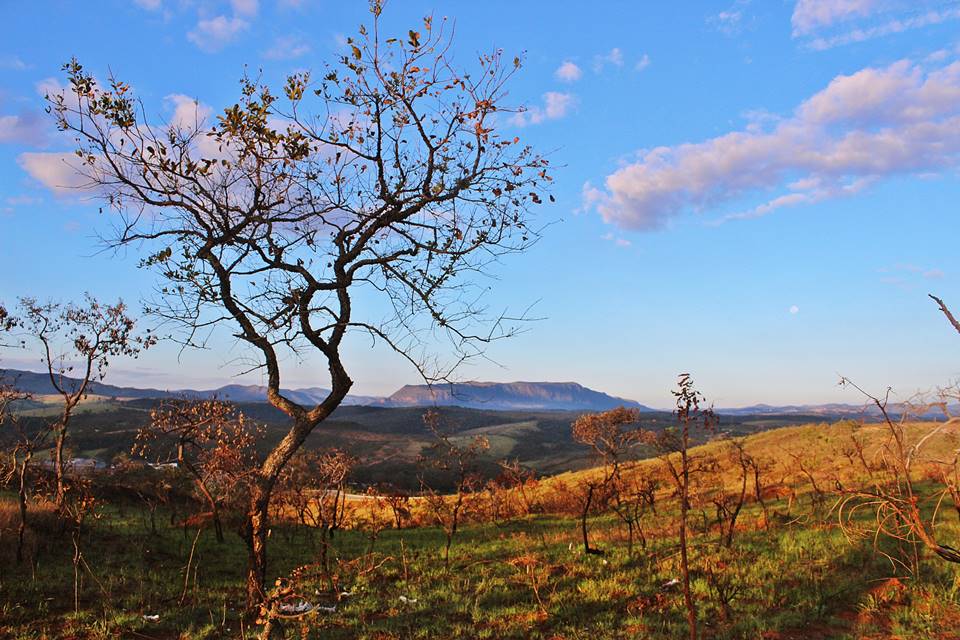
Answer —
557 396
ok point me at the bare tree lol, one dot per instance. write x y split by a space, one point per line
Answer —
446 456
397 500
77 342
729 504
521 480
21 443
675 445
388 177
891 494
317 481
212 441
605 434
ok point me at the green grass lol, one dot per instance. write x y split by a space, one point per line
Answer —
526 578
805 576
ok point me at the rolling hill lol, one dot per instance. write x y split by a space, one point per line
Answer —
494 396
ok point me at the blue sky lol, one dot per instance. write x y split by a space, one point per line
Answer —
760 193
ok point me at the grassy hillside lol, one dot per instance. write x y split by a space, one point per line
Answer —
386 441
791 571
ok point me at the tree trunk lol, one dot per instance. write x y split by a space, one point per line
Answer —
217 526
583 524
202 486
256 529
22 504
58 467
684 562
153 519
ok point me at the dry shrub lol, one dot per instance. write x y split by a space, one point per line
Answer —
42 524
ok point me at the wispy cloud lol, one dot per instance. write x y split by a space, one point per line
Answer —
617 240
287 48
186 112
213 34
27 128
568 72
246 8
56 171
825 24
12 203
909 276
149 5
614 57
49 87
14 63
810 15
863 127
556 105
730 21
642 63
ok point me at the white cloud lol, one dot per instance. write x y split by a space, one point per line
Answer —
23 199
831 23
13 62
13 202
876 123
556 105
287 48
810 15
924 272
730 21
794 309
245 7
28 128
568 72
56 171
620 242
614 57
896 25
149 5
187 113
49 87
909 277
642 63
214 34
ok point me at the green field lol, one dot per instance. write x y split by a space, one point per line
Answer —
796 574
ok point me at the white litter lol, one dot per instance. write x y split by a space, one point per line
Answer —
670 583
406 600
296 608
346 594
152 618
331 609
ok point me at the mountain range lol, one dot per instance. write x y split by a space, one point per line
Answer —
496 396
492 396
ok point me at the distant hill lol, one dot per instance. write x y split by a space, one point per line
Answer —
258 393
492 396
489 396
832 411
509 396
39 384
